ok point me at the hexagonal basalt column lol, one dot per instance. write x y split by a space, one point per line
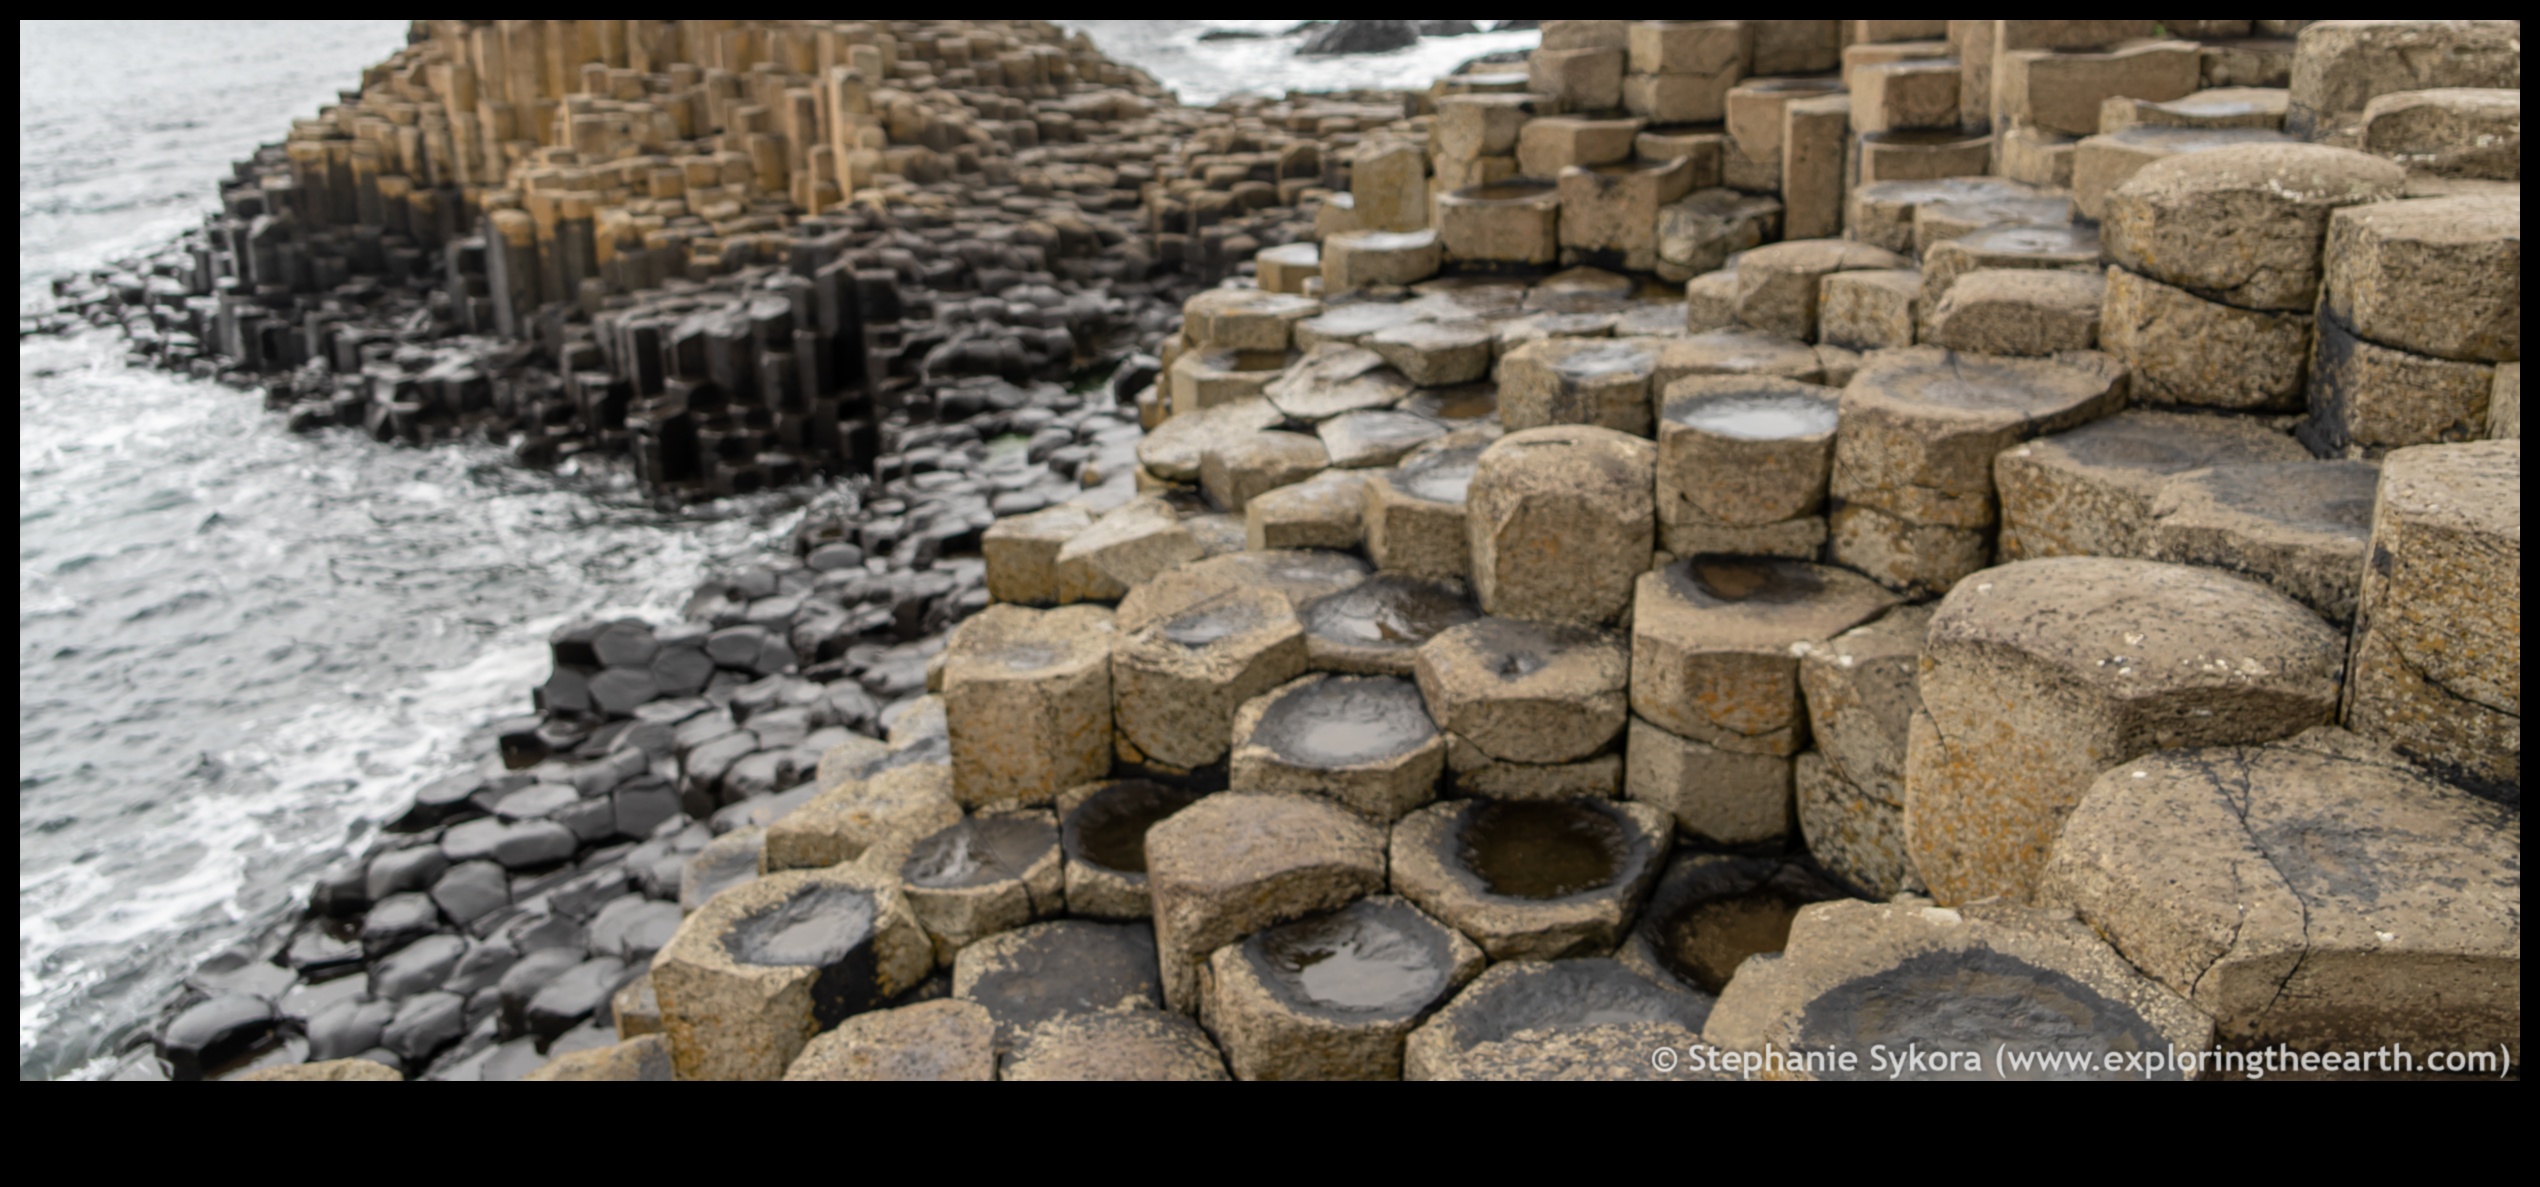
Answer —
1245 319
2270 200
1967 990
1777 284
1914 456
1527 692
757 970
2184 349
1531 879
2039 675
1027 701
1331 997
1021 552
1214 376
1436 353
1356 259
1710 911
1234 472
901 802
2317 892
1561 521
1488 1030
1327 510
2089 492
1237 862
1367 440
1103 832
1585 381
1729 796
2436 670
1298 574
1713 655
1512 222
1415 515
1364 741
1378 626
1859 688
2019 311
1177 682
987 874
1742 465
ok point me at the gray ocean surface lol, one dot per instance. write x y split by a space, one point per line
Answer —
239 650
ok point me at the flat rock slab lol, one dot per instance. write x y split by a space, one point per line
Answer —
2299 527
1969 991
2039 675
1174 450
1102 829
2318 892
1583 381
1035 973
1528 1003
2185 349
1126 1045
1415 517
2089 491
1300 574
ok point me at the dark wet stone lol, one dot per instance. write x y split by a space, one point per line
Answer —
534 843
538 801
1367 960
399 870
425 1023
418 966
305 1002
737 646
1568 995
348 1029
341 891
238 970
525 978
618 691
472 839
1967 1001
438 802
589 821
1110 828
539 930
625 643
1389 613
1544 849
1346 721
471 890
583 894
633 927
213 1033
508 1062
320 955
396 921
482 968
979 851
1039 972
641 805
572 995
825 927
